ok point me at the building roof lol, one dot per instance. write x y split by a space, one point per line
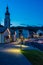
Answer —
2 29
1 25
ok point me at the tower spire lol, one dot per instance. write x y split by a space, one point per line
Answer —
7 11
7 8
7 18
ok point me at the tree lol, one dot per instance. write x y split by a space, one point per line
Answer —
40 34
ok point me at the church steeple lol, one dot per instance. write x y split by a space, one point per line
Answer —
7 18
7 12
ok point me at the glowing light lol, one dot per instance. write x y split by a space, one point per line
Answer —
35 35
23 46
12 51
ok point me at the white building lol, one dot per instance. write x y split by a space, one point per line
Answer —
4 35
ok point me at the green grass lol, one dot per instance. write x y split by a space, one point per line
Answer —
34 56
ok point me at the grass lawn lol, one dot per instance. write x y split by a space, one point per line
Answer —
34 56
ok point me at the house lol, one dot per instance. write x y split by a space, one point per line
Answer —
4 35
7 35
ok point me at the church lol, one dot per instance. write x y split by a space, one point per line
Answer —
6 33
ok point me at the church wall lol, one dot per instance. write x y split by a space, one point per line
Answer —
1 38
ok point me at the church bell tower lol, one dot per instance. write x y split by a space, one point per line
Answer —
7 18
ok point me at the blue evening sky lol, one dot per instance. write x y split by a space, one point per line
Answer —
23 12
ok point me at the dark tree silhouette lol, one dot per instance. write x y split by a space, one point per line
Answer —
40 34
20 32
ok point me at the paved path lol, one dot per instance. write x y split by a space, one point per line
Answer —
10 56
8 59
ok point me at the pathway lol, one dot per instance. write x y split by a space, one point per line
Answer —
12 56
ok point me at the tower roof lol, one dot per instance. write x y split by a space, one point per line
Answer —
7 11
